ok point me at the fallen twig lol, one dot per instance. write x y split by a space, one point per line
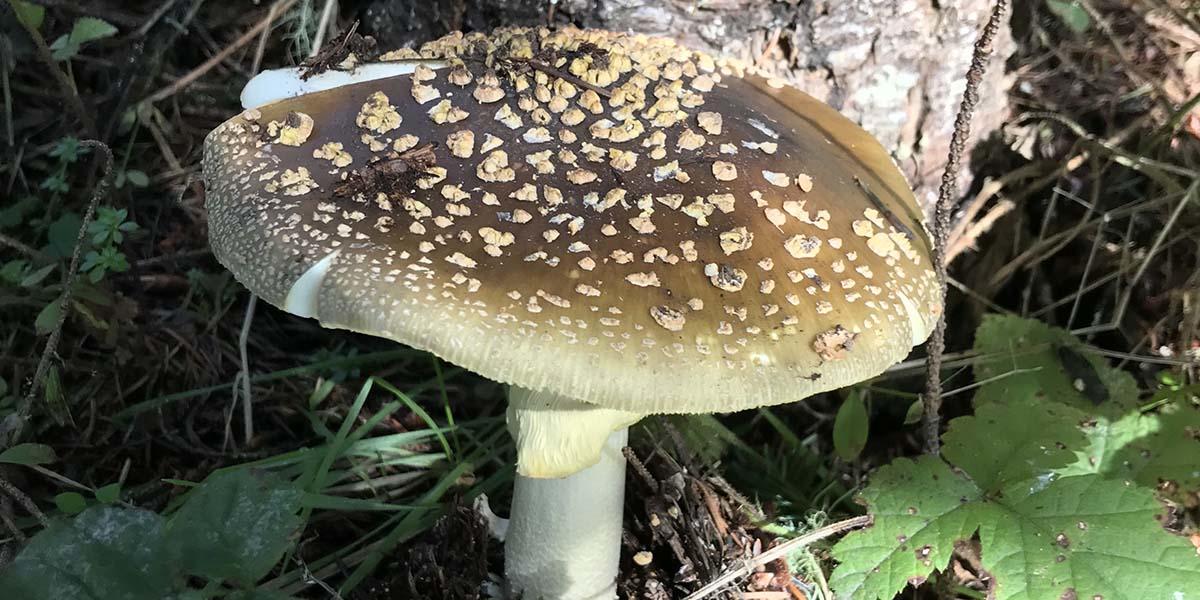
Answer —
747 567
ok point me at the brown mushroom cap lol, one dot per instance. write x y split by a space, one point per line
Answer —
608 217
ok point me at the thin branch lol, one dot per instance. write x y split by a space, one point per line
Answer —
24 408
25 501
932 398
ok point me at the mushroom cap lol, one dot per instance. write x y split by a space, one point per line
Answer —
602 216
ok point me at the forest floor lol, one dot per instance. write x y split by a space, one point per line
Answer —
1084 216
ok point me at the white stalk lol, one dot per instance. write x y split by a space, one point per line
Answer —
564 535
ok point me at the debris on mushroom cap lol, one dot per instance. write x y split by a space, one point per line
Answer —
579 204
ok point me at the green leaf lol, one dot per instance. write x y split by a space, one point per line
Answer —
137 178
29 14
1150 449
236 525
62 234
90 29
1043 535
28 454
1077 537
1009 443
86 29
1019 359
47 318
915 412
109 494
850 428
56 401
38 276
1071 14
105 552
71 503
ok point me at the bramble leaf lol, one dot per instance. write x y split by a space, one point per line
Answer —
1020 359
998 446
1044 536
1149 449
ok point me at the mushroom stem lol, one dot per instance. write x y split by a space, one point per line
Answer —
564 535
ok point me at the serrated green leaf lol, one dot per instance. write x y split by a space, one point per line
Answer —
921 508
1087 535
71 503
236 525
850 427
1018 359
90 29
1149 449
85 29
998 446
28 454
29 14
105 552
1044 535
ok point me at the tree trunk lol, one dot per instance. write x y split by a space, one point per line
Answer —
896 67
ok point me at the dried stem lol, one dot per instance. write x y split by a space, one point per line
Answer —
747 567
932 398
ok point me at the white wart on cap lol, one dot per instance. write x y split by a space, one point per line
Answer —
608 217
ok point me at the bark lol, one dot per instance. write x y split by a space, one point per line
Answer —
896 67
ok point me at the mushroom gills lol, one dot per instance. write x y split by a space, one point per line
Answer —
302 298
280 84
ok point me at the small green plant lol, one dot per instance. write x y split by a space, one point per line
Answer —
1060 490
107 232
84 30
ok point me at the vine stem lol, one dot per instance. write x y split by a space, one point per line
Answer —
17 421
932 398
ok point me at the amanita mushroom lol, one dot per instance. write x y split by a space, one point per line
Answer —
613 224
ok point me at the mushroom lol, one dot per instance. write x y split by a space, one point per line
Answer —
612 224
